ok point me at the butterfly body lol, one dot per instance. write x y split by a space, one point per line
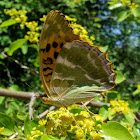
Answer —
76 71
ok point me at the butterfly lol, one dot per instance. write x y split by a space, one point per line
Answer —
71 69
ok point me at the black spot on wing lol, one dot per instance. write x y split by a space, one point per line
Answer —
61 45
48 61
42 50
48 47
55 54
48 68
55 44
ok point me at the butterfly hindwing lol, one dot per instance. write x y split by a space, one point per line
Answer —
81 73
55 33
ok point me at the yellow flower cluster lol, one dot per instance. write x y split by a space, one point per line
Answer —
62 123
81 31
32 35
119 106
34 134
1 129
18 15
134 5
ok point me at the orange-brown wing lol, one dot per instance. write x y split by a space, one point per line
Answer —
55 33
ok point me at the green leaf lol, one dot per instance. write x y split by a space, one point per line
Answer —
110 114
8 23
8 124
136 92
24 49
21 116
122 16
136 11
36 62
15 45
103 112
76 110
120 78
112 95
19 131
29 125
115 131
2 98
104 49
130 117
14 88
115 5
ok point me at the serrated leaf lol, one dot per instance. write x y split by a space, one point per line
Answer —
15 45
115 131
115 5
122 16
8 23
136 11
8 124
120 78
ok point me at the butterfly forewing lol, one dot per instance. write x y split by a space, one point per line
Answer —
55 33
81 73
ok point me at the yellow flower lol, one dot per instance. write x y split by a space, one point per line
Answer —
92 38
138 87
36 133
42 122
30 138
18 19
79 133
97 136
84 113
1 129
21 25
98 118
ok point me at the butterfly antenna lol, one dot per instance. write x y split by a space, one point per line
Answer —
87 108
32 88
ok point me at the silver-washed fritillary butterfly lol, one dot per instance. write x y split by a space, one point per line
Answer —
71 70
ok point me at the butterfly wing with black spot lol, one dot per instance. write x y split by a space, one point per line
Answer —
55 33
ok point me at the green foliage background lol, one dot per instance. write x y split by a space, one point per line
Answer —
121 38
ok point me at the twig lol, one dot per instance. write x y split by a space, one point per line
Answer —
16 94
97 104
33 98
9 75
22 66
46 112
